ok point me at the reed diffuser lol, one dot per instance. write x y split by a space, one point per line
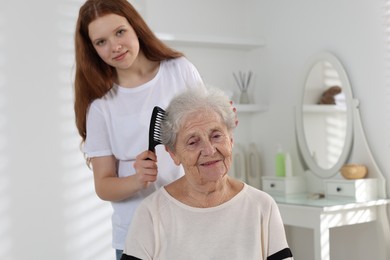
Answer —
243 81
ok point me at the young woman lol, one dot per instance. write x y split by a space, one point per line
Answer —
122 72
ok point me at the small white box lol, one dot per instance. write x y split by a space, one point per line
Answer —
360 190
283 185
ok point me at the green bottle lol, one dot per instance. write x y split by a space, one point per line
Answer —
280 161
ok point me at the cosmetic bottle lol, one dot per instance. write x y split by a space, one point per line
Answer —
280 163
288 165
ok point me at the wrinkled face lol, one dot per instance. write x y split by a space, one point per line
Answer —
203 147
114 40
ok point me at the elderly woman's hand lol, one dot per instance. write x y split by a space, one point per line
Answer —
145 166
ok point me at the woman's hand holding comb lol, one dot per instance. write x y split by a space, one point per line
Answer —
145 166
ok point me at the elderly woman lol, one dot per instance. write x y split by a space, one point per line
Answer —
206 214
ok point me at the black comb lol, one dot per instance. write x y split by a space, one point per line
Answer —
158 116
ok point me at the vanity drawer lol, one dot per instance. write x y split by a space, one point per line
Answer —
283 185
360 190
273 185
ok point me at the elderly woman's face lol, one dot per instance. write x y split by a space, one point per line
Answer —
204 147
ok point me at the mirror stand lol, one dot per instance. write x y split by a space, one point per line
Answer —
361 152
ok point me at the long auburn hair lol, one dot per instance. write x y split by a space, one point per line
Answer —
93 76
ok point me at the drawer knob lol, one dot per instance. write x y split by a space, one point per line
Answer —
272 185
338 189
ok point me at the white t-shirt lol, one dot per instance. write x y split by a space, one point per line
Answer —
248 226
118 124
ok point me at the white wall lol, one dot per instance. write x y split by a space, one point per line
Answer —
354 32
48 208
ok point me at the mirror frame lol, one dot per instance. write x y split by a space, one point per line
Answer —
303 147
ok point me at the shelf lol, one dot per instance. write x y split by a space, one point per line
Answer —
250 108
208 41
324 108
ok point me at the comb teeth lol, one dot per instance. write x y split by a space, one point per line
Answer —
158 116
157 135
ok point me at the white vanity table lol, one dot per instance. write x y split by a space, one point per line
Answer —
354 206
327 139
322 214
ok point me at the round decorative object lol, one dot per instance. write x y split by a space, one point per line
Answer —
354 171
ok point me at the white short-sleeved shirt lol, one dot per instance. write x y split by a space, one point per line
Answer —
248 226
118 124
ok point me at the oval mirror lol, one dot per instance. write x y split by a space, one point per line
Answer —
324 116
